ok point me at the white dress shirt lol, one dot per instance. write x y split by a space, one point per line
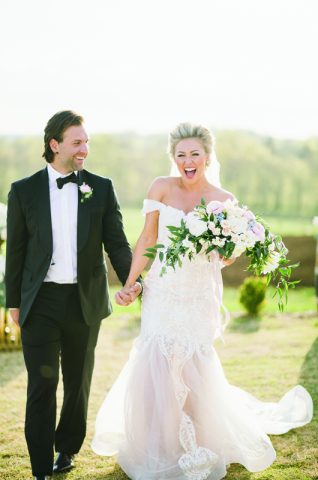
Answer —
64 204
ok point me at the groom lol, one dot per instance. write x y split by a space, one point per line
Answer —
59 220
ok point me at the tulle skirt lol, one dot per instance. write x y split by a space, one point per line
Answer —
171 419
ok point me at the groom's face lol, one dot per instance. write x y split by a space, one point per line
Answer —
72 151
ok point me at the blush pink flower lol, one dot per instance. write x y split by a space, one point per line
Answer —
249 215
214 207
84 188
86 192
225 228
259 231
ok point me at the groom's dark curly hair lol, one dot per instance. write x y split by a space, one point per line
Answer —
55 128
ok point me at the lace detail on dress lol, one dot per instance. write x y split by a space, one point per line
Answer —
176 346
177 351
173 324
198 462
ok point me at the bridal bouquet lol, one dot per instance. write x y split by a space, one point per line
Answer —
231 230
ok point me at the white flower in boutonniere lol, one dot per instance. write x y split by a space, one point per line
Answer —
86 192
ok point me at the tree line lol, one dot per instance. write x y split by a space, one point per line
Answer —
272 176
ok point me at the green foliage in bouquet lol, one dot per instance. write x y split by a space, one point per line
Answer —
230 230
269 258
252 294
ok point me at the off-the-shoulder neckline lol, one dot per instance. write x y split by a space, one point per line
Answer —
180 209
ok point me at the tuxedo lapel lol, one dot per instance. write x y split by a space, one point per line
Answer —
83 216
44 211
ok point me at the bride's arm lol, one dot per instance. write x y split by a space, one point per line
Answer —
147 239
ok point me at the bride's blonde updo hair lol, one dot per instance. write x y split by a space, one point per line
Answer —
189 130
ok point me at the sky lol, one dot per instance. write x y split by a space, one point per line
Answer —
145 65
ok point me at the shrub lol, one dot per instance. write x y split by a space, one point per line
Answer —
252 294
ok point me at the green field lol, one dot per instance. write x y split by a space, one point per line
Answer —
265 356
133 221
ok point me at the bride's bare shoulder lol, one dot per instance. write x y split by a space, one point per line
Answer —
222 195
159 188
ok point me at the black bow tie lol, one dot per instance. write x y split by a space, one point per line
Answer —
63 180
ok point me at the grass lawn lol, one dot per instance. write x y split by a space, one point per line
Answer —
299 300
266 356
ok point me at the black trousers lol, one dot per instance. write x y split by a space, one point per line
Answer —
55 331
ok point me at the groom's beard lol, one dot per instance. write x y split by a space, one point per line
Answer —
78 165
69 164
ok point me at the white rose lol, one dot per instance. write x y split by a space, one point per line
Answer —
237 224
211 225
271 247
235 238
195 225
239 249
187 243
272 262
250 239
219 242
215 230
230 204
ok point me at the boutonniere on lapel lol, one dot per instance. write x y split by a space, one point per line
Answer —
86 192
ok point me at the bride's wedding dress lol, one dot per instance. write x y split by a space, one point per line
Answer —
172 414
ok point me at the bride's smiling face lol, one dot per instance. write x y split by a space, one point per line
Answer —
191 159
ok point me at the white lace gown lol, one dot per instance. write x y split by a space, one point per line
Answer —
171 414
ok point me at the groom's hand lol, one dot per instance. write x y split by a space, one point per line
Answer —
135 291
128 294
123 297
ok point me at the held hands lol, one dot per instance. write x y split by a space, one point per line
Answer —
128 294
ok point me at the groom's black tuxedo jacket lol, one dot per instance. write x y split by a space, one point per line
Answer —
29 243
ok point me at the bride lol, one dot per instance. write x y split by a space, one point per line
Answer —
172 414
